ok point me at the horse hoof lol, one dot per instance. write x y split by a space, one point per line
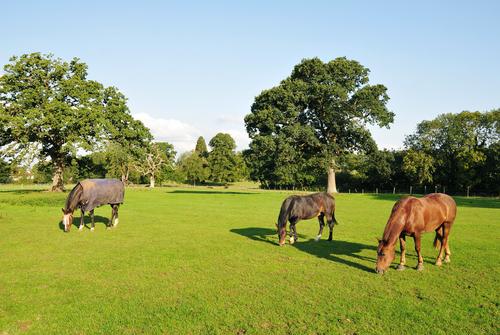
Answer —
420 267
438 263
292 240
91 229
447 260
317 238
400 267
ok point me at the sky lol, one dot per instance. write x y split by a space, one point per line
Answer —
193 68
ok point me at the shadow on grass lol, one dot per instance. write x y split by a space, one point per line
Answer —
76 222
25 191
330 250
209 192
478 202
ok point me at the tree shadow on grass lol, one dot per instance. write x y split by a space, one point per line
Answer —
479 202
25 191
209 192
76 222
330 250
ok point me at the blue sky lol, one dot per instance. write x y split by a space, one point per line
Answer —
193 68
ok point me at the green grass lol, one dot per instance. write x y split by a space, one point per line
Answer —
205 261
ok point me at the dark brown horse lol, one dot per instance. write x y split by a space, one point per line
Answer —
305 207
412 217
89 194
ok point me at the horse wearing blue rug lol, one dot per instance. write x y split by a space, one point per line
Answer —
89 194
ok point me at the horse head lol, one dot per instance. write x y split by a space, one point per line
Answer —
67 219
385 256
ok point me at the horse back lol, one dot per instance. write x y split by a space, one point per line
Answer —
429 212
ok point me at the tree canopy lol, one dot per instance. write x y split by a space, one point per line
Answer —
319 113
222 158
50 107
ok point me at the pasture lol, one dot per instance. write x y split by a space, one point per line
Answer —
206 261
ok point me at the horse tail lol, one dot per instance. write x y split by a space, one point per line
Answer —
437 238
331 199
334 220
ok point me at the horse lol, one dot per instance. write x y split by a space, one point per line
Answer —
89 194
412 216
296 207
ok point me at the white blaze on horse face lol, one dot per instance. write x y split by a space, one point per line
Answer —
318 237
66 221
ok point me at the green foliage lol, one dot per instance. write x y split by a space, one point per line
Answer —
419 166
50 105
459 145
193 167
222 160
319 113
4 171
201 147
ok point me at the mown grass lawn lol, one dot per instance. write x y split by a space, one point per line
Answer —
205 261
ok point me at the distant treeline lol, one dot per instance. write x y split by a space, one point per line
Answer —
309 132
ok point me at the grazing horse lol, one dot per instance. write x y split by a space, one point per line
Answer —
305 207
89 194
411 216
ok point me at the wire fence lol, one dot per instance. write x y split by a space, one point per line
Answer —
407 189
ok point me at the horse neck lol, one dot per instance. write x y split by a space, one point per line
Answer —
73 198
393 230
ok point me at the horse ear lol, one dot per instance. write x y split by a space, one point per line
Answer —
378 240
62 209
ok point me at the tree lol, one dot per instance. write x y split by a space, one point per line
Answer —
222 158
194 167
158 155
419 166
50 105
4 171
201 147
458 144
323 109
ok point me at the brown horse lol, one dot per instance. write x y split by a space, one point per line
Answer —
411 216
296 207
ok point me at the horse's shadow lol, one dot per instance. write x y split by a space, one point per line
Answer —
336 250
76 221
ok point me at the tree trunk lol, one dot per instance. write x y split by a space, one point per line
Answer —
152 181
57 178
332 185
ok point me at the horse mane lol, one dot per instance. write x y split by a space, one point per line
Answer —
285 211
398 214
73 198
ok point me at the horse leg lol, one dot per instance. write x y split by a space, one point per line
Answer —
82 221
321 225
420 265
331 223
402 245
110 223
447 226
440 232
293 231
92 226
115 209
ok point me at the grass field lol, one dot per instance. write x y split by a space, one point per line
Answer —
205 261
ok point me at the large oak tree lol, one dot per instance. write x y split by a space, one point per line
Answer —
49 106
320 112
